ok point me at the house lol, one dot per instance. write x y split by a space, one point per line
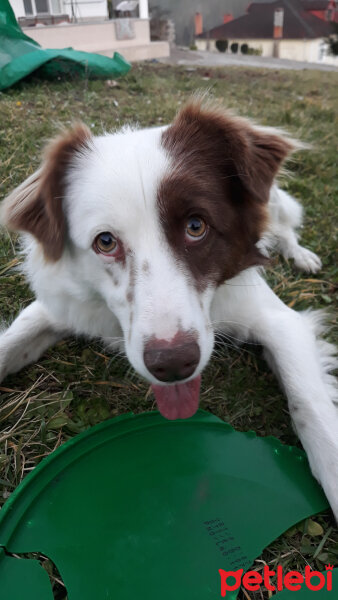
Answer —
289 29
323 9
85 25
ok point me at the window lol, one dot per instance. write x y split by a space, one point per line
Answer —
28 7
41 6
55 7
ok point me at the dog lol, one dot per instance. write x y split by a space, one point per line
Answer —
157 237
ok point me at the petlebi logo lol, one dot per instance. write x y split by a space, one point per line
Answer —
252 581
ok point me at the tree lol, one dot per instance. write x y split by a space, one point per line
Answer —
333 40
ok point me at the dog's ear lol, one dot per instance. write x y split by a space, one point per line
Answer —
262 159
235 145
35 206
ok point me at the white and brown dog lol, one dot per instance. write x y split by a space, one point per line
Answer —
154 236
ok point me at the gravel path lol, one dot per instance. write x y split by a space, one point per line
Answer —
182 56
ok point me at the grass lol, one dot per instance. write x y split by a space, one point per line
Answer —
75 385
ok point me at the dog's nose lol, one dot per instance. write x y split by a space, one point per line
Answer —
171 361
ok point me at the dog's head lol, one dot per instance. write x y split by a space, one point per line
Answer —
154 221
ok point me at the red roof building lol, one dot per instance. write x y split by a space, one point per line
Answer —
294 29
323 9
258 22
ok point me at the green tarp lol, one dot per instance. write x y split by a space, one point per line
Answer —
20 56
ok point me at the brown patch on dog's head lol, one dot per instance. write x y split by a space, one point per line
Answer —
36 205
222 170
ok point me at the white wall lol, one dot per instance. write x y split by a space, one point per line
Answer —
266 46
302 50
90 37
101 38
331 60
84 9
18 8
308 51
305 50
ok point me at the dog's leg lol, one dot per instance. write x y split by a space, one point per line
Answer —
301 360
303 363
30 334
285 217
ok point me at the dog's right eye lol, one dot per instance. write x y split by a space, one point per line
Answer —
105 243
195 229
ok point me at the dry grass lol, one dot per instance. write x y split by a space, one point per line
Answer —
75 385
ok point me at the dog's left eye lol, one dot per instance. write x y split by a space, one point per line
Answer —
105 243
195 229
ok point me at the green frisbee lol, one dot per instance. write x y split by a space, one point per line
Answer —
142 507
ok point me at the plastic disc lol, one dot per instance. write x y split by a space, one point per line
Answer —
141 507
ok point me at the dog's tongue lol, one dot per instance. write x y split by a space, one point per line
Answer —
178 401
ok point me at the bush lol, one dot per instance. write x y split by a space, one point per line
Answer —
334 47
255 51
222 45
234 47
192 47
244 48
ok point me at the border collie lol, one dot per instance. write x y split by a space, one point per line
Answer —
157 237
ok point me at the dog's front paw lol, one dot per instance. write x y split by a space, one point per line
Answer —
307 261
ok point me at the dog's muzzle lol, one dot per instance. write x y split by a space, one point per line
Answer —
170 361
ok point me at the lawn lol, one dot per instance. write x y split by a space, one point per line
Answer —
76 385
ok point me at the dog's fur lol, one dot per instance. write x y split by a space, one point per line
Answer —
164 292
